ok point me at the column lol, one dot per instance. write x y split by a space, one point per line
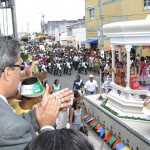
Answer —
128 50
140 52
14 19
119 54
113 61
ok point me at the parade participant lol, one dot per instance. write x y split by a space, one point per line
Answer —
133 78
76 61
64 139
56 86
16 131
142 74
120 75
78 83
91 86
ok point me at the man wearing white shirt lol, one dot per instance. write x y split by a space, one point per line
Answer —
76 61
91 86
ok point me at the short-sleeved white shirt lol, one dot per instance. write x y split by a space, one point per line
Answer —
91 86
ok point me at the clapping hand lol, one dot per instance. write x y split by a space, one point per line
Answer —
41 76
47 111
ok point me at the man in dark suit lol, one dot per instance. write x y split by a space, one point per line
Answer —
16 131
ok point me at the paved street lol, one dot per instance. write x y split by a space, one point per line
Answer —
67 81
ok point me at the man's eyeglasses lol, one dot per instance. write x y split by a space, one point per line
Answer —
20 66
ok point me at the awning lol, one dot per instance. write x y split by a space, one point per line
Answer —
90 41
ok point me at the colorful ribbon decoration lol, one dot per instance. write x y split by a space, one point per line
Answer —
105 134
101 131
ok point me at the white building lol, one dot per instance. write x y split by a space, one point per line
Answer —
75 34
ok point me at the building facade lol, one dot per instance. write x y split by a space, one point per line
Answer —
76 33
58 27
112 11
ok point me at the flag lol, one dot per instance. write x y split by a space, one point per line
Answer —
107 137
119 146
126 148
98 126
87 115
87 118
94 124
116 142
93 121
112 140
101 131
90 119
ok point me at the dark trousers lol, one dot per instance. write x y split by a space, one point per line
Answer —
76 65
102 77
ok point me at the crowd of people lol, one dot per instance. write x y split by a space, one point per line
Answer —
87 60
35 113
30 107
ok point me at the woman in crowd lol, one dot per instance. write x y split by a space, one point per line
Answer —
64 139
76 119
62 118
142 74
56 86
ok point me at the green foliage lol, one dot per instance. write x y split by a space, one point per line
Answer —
24 57
125 117
24 39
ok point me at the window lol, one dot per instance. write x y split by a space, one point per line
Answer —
146 4
92 13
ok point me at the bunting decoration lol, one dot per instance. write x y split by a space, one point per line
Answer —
105 134
141 47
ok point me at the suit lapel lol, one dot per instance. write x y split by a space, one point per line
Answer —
5 105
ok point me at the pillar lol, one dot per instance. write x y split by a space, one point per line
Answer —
128 50
119 54
113 61
140 52
14 19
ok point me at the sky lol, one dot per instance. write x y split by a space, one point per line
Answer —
29 13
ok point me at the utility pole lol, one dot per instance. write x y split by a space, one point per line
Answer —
11 4
0 30
14 19
43 25
28 27
101 26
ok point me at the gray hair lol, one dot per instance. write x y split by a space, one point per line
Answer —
9 49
